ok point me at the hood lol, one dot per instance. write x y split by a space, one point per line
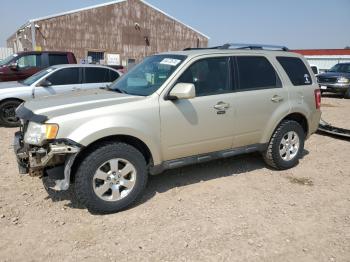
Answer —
63 104
334 74
9 85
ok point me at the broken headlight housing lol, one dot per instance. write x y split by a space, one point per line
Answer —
36 133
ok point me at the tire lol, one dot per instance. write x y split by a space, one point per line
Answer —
89 187
274 156
7 113
347 94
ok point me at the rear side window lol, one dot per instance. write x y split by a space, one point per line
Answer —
66 76
296 70
96 75
113 75
256 72
55 59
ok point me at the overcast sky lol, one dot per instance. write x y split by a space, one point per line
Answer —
294 23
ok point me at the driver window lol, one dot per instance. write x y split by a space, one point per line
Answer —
29 61
66 76
210 76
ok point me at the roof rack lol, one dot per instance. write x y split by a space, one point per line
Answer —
244 46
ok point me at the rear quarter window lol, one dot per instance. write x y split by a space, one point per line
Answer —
56 59
296 70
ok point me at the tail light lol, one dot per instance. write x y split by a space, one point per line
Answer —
318 98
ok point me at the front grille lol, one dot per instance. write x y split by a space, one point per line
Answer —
331 80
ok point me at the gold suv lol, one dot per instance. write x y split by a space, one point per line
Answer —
171 110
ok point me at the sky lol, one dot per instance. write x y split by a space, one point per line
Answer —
297 24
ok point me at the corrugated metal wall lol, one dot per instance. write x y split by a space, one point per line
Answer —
5 52
131 28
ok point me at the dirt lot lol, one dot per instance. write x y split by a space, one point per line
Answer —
231 210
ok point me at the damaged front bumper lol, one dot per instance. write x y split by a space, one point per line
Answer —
54 159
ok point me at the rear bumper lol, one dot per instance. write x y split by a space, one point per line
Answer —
314 122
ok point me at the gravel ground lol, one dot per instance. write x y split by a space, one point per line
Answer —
229 210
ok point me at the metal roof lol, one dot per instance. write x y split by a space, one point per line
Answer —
112 3
320 52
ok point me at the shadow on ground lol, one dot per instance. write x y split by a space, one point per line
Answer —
181 177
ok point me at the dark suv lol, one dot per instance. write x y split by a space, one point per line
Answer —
22 65
336 80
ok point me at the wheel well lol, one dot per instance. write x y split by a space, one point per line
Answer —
11 99
130 140
301 119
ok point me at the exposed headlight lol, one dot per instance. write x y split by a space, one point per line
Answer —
343 80
36 133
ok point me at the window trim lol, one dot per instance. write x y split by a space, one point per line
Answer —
236 74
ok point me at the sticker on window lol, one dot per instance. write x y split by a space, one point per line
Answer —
307 79
170 61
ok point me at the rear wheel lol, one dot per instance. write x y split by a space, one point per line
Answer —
111 178
286 145
8 113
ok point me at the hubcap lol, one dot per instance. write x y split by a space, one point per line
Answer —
8 113
114 179
289 146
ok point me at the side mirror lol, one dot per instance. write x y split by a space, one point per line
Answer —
182 91
13 66
45 83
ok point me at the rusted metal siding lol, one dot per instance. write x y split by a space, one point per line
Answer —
131 28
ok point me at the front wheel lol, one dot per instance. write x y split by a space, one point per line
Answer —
286 145
111 178
8 113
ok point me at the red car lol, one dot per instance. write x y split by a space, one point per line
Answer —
22 65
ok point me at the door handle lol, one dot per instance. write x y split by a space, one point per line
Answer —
76 88
222 106
277 99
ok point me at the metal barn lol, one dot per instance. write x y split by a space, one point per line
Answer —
118 33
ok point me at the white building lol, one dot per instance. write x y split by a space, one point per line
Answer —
5 52
325 58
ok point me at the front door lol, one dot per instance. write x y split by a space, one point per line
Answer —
64 80
203 124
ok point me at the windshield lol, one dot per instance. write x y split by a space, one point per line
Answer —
32 79
341 68
7 60
145 78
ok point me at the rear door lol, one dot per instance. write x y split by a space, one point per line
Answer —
259 98
64 80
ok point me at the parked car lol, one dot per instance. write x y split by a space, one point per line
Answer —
336 80
315 69
171 110
22 65
54 80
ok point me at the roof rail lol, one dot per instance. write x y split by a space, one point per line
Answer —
244 46
254 46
